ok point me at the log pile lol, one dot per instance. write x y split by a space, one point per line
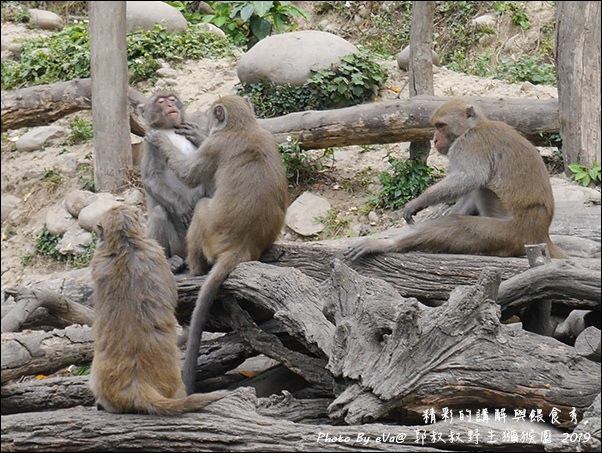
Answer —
366 356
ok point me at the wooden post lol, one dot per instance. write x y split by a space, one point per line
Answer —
108 59
537 317
421 64
578 75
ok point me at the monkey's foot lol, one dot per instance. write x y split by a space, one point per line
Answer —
357 250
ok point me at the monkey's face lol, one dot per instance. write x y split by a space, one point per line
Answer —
170 109
443 138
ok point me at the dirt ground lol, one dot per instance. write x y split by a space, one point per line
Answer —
199 84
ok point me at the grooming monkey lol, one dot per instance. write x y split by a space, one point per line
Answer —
136 361
497 174
240 162
170 202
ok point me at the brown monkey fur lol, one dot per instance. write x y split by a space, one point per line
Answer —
170 202
497 173
136 361
241 165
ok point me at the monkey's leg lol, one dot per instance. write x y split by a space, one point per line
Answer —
156 228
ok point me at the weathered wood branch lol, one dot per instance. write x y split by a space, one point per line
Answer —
401 120
44 104
563 282
44 352
397 355
46 394
218 427
588 344
405 120
29 300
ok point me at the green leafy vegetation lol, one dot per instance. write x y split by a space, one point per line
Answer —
66 55
249 22
53 179
584 175
45 246
356 78
81 130
302 167
335 226
404 181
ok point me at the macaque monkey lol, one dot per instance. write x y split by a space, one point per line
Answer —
499 177
241 164
136 361
170 202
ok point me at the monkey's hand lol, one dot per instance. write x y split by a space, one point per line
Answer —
192 133
159 140
366 247
410 210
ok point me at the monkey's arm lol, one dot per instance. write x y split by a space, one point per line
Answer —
452 187
192 132
156 185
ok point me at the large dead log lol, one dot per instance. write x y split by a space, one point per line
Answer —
44 104
46 394
398 357
401 120
44 352
561 282
405 120
235 424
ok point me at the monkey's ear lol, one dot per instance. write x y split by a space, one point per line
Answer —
470 112
221 117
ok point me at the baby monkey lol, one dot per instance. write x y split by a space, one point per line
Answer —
136 360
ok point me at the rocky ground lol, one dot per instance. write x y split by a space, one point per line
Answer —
25 175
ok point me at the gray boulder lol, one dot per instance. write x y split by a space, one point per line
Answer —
290 57
301 215
144 15
38 137
9 204
46 20
89 216
403 59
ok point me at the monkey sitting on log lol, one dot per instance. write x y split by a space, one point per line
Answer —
136 361
240 161
498 175
170 202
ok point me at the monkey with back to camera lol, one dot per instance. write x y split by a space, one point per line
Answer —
170 202
240 161
496 174
136 360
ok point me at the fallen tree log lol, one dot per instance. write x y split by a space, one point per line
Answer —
588 344
28 300
218 428
406 120
399 357
43 104
44 352
402 120
561 282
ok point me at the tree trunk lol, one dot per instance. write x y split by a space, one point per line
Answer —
421 65
578 74
108 64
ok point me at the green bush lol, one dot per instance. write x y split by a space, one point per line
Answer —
300 166
249 22
66 55
405 180
81 130
581 173
46 246
354 79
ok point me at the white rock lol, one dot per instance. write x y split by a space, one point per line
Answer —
301 215
144 15
38 137
88 217
58 220
289 57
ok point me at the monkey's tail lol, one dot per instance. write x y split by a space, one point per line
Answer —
159 405
219 272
